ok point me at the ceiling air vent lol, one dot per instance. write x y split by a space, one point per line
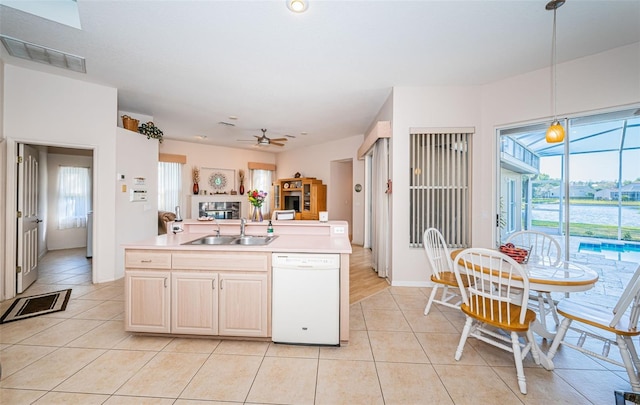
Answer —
48 56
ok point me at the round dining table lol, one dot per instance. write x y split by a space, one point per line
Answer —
547 276
564 276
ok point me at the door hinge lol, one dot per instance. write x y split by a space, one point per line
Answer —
19 214
19 159
18 269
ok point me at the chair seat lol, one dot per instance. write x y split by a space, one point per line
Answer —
593 315
448 278
492 315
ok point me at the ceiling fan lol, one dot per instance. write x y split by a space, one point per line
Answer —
265 141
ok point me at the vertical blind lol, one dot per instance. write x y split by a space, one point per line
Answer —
440 185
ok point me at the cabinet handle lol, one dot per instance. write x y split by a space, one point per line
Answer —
146 261
165 282
213 284
221 285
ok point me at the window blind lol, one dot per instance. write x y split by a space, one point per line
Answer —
440 185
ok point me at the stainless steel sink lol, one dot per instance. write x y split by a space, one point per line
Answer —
212 240
232 240
253 240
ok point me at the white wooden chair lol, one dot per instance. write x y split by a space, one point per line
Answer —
542 245
441 271
493 306
599 323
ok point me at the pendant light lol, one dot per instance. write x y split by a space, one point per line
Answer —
555 133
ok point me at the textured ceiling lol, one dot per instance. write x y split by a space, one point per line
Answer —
327 72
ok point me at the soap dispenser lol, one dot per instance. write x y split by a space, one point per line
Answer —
270 229
178 216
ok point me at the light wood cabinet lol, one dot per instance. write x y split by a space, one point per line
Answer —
307 195
203 293
243 304
147 301
194 299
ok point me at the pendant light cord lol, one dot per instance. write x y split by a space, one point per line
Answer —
554 61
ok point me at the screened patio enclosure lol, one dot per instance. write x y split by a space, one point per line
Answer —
584 192
597 167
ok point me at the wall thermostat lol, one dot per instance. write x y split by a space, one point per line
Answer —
138 195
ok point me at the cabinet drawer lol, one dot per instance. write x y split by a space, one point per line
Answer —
221 261
147 259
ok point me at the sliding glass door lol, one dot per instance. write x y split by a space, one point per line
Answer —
584 191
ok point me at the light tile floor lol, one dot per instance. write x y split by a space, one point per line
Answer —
396 356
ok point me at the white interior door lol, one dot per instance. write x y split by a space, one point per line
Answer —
28 220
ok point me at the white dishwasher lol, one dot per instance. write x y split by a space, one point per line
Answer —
306 298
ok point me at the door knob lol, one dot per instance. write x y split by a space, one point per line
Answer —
38 220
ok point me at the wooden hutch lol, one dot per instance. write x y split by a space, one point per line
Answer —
306 195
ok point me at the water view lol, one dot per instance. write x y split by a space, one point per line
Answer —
589 214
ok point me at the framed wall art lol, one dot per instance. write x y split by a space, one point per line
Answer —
218 181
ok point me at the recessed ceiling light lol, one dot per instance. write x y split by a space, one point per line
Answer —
297 6
233 117
229 124
201 137
303 133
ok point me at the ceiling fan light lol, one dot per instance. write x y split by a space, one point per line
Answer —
555 133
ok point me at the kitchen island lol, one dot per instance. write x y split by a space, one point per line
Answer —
174 287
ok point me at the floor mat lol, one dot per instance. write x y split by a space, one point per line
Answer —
28 307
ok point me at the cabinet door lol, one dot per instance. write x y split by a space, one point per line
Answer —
147 301
243 304
194 303
276 196
305 208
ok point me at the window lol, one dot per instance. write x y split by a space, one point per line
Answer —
74 197
262 180
169 185
439 185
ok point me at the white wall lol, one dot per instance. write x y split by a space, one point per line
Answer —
603 81
340 202
135 221
421 107
61 238
315 161
46 109
218 157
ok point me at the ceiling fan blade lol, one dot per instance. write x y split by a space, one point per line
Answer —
279 139
276 143
245 140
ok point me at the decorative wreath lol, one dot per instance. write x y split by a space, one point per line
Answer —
218 181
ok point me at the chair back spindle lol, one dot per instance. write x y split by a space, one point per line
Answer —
540 244
437 252
491 276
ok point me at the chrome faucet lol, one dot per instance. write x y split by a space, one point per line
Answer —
243 221
215 220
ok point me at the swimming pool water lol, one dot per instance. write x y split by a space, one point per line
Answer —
629 252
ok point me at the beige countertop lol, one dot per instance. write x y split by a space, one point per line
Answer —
292 236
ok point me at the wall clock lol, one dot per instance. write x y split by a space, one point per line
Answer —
218 181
